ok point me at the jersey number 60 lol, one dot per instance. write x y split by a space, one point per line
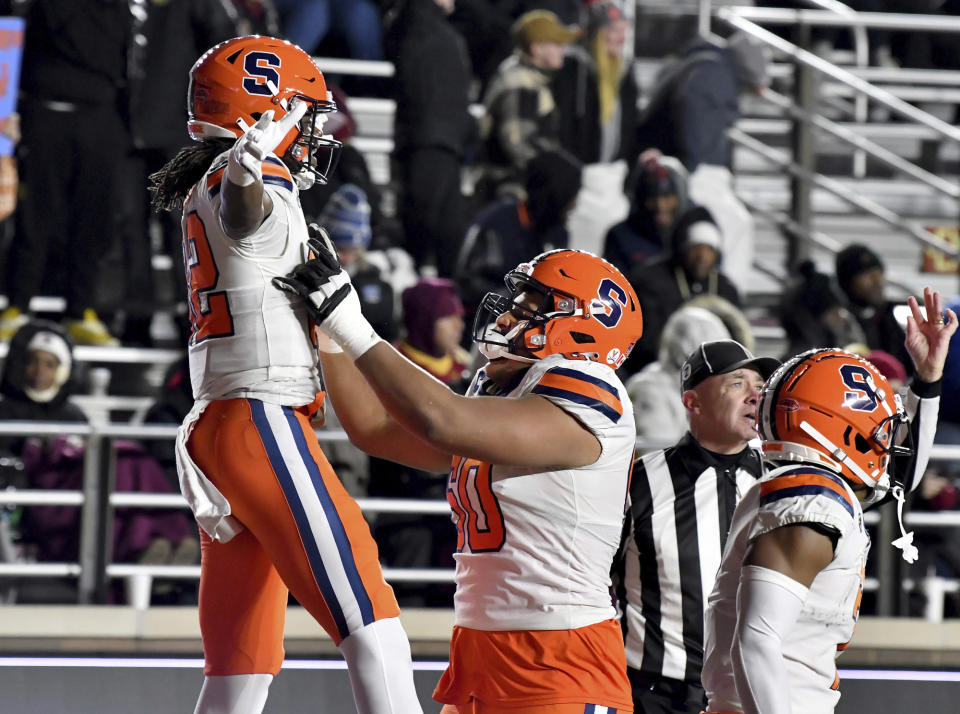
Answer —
476 509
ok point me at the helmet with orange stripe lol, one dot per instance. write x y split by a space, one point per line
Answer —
567 302
235 82
835 409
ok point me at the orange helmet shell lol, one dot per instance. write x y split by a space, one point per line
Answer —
590 312
834 407
235 82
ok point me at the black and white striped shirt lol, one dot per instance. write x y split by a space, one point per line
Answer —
681 501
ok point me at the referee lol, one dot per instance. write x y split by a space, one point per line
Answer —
681 502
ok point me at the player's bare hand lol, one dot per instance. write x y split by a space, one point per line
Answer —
928 334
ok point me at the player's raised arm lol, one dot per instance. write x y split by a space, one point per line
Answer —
525 431
244 203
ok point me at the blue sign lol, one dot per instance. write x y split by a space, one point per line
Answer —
11 49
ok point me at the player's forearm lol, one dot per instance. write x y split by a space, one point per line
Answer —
422 404
242 208
768 605
368 424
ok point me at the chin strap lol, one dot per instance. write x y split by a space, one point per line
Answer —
905 541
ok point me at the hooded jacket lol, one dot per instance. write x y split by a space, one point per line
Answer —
15 404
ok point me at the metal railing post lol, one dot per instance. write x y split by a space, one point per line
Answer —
887 570
95 531
804 153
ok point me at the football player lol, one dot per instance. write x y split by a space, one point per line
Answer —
539 453
273 515
787 595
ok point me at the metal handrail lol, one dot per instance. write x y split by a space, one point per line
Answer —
875 150
738 17
837 189
866 20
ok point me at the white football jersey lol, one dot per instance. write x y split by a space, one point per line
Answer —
248 338
535 549
791 495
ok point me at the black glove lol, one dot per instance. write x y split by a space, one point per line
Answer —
321 281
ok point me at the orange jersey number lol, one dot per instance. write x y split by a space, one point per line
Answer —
209 311
476 510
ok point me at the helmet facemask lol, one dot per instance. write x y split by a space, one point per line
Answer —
529 335
313 154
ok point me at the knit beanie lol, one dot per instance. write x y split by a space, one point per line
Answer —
818 293
552 182
423 304
888 365
346 216
854 260
696 226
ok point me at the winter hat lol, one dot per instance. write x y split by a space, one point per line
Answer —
683 332
347 217
56 344
818 292
752 60
888 365
854 260
542 26
423 304
601 13
552 182
697 227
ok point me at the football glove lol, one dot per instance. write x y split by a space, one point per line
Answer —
246 157
330 297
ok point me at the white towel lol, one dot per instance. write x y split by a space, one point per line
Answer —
209 506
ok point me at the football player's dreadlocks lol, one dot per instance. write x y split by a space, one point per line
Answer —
171 184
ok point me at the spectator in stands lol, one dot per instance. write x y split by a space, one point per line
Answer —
657 189
655 390
171 35
352 167
485 26
172 404
813 312
432 128
521 118
307 22
860 274
433 329
37 379
257 17
35 386
696 99
73 128
689 269
596 90
511 229
346 218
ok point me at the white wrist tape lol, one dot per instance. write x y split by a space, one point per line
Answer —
346 325
239 174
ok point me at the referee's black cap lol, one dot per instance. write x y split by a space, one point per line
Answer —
721 357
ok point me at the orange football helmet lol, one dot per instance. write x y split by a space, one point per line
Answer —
235 82
587 310
835 409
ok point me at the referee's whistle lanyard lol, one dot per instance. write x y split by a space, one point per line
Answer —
684 284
